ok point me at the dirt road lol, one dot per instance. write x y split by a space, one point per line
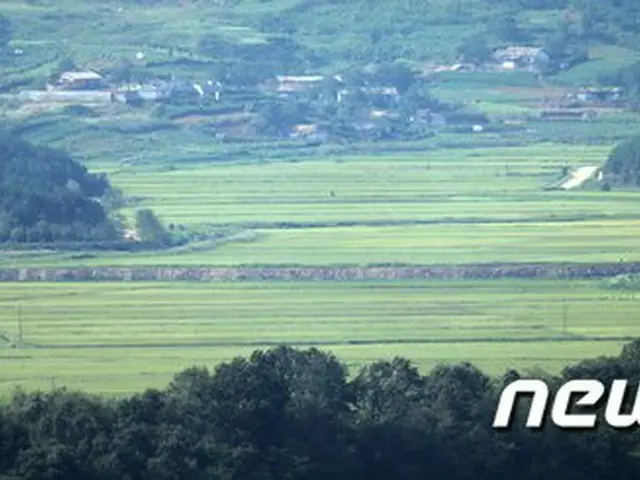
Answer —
579 177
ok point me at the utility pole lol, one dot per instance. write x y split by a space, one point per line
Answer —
19 318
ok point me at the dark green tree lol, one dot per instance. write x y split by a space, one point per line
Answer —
6 31
45 196
475 49
506 28
150 229
624 161
396 75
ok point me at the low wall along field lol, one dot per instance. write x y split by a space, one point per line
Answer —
145 274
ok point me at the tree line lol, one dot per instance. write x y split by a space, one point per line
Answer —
297 414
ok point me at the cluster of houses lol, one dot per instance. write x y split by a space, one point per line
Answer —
91 87
511 58
286 86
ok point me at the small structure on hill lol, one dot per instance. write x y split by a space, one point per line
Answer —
294 84
522 58
599 95
159 90
79 81
568 114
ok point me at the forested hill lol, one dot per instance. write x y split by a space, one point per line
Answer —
434 30
46 196
319 33
288 414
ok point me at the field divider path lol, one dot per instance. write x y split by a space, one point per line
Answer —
330 343
327 273
551 218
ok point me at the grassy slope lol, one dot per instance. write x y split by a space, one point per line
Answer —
96 33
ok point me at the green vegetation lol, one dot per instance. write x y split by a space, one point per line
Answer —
285 413
625 283
624 162
396 194
149 228
341 212
5 32
446 206
45 197
114 338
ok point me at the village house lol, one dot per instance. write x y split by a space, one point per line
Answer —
384 113
431 68
286 85
294 84
388 92
304 129
603 97
521 58
599 95
79 81
163 90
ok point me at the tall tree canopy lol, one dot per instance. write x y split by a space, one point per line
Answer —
291 414
46 196
624 161
5 31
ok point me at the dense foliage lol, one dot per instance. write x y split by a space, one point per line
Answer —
611 20
624 162
628 78
252 62
150 229
287 414
5 31
45 196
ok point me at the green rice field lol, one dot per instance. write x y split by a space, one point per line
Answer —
120 337
287 203
432 207
450 206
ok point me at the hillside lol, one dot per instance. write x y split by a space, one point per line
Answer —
45 197
324 33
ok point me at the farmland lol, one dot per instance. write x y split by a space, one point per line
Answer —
446 206
117 338
423 208
453 197
315 239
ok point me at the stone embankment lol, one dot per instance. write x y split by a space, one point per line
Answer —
328 273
